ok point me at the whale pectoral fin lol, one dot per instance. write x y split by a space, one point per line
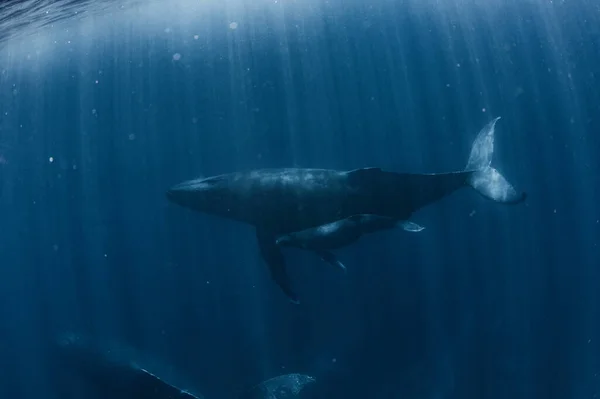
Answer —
411 226
331 259
275 260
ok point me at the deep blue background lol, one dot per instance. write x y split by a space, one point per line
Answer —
489 301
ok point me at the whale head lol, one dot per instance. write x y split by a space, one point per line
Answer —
203 194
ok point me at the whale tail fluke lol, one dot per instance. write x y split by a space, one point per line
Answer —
486 180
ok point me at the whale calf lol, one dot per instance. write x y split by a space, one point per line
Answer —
341 233
282 201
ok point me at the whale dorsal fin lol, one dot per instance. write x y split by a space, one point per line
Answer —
364 170
364 173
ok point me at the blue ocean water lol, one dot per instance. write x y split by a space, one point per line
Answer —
104 106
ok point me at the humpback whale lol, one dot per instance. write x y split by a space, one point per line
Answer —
282 201
341 233
113 370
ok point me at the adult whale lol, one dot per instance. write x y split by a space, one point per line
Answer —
282 201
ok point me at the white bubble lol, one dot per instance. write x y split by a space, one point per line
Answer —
51 159
482 109
233 25
196 37
176 56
